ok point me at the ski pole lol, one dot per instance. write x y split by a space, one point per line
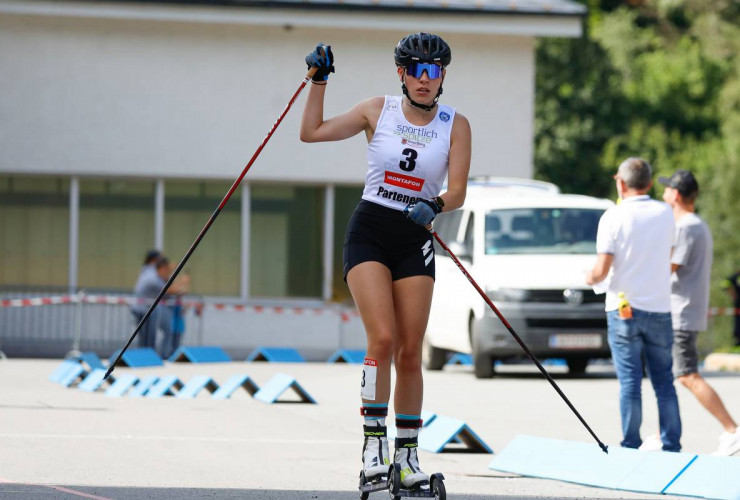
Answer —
210 221
517 338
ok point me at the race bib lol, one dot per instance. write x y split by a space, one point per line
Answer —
369 377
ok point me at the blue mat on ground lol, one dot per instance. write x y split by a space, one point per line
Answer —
73 375
554 362
200 354
276 354
355 356
196 384
709 477
143 386
136 358
65 367
94 380
92 360
460 358
445 430
165 386
585 463
121 385
277 385
235 382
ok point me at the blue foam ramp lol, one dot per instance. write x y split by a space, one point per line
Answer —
72 375
64 368
143 386
165 386
445 430
276 354
709 477
236 382
277 385
136 358
460 358
94 380
555 362
200 354
197 384
355 356
92 360
121 385
585 463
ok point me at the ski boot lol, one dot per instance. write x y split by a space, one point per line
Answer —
405 478
376 458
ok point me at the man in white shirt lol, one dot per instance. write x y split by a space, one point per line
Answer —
691 264
634 244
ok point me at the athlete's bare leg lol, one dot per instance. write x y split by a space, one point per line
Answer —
412 298
709 399
372 290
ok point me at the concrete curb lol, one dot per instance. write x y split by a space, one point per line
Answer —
722 361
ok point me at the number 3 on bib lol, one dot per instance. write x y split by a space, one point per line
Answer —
409 163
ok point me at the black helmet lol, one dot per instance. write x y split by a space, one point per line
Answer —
423 47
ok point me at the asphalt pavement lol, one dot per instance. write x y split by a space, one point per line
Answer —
58 442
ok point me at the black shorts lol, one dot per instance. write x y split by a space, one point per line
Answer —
381 234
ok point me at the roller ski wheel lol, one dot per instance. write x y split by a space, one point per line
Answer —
438 487
394 481
370 485
435 488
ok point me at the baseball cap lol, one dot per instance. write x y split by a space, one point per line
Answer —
682 181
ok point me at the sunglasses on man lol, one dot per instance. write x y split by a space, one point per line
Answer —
416 69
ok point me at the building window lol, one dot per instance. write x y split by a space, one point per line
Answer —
285 241
214 266
34 230
345 201
116 230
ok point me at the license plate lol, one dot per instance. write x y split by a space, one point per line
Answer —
575 341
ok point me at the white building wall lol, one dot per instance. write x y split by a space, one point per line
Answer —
153 91
153 98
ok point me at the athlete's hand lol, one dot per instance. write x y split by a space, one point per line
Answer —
422 212
323 60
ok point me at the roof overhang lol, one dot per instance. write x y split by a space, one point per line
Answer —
373 17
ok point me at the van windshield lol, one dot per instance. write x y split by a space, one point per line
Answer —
542 231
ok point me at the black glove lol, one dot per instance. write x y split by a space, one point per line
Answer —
423 211
323 63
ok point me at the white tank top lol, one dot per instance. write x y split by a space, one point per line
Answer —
407 162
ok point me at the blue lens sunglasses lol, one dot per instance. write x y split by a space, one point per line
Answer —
416 69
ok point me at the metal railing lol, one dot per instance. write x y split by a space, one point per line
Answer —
49 321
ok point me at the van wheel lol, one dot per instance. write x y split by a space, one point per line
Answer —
482 365
577 366
432 357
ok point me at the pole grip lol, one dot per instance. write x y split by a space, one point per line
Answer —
312 71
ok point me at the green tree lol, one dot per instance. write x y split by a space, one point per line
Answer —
653 78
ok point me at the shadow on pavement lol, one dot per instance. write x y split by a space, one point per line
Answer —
47 492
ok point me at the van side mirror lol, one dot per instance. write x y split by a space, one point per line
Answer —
460 251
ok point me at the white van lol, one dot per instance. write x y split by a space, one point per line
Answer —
528 247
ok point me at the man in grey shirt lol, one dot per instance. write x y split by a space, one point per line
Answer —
151 280
691 265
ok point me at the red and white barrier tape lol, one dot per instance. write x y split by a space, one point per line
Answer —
345 314
724 311
39 301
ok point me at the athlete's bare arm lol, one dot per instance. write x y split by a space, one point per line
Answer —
459 166
361 117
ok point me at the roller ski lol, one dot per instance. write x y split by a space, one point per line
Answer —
376 461
405 477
